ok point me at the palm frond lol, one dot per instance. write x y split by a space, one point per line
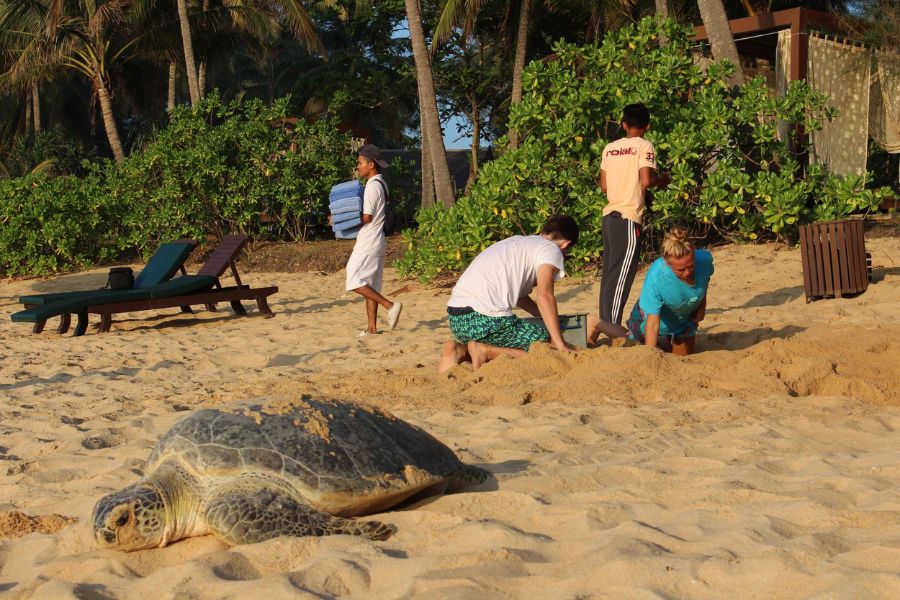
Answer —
106 15
301 24
253 21
44 167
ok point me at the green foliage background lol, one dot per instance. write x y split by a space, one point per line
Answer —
731 174
214 170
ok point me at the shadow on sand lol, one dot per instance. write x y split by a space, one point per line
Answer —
741 340
878 275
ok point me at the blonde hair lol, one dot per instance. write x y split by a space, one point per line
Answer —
677 244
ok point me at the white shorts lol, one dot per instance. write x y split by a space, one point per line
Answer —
363 269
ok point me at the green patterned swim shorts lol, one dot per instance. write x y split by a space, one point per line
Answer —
500 332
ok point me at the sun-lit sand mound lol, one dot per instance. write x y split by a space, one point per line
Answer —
766 465
16 524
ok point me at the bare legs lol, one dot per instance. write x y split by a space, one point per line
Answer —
453 354
482 353
373 301
679 346
683 346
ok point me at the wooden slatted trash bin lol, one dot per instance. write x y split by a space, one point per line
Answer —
834 259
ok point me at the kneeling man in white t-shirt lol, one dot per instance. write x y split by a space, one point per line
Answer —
500 279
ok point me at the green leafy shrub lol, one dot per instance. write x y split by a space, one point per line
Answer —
52 223
217 168
221 167
730 172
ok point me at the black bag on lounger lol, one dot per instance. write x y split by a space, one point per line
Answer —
120 278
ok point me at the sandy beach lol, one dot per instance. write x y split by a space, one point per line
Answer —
765 466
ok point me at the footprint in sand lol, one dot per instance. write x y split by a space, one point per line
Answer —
110 439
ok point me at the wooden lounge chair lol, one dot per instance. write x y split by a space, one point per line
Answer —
162 266
202 288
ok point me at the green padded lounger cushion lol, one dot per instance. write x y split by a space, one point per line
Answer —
161 267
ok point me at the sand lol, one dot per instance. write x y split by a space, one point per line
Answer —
765 466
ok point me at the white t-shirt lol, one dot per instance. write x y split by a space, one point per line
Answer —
370 240
505 272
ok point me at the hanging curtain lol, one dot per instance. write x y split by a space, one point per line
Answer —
783 75
842 72
884 112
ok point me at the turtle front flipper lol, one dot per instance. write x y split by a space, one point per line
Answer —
245 516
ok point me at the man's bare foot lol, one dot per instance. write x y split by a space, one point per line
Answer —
452 354
478 352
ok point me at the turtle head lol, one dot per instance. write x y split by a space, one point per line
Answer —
131 519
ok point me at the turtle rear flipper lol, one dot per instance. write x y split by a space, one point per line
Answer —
242 516
467 476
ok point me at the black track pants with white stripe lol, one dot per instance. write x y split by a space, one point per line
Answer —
621 252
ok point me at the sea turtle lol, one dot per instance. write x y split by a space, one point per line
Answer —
278 468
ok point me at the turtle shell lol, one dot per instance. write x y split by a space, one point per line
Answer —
341 458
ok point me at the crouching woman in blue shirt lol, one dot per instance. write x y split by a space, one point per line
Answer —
672 301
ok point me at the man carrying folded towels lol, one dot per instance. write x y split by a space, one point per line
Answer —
500 279
366 265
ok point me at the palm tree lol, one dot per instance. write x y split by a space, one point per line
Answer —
519 63
190 63
712 12
260 18
162 42
21 26
432 137
87 36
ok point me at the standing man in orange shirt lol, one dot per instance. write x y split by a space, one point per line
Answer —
627 169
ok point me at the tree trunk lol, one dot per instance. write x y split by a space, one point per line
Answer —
428 196
720 39
173 75
109 122
662 9
662 12
443 185
29 121
476 145
201 83
201 79
36 98
519 65
190 64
